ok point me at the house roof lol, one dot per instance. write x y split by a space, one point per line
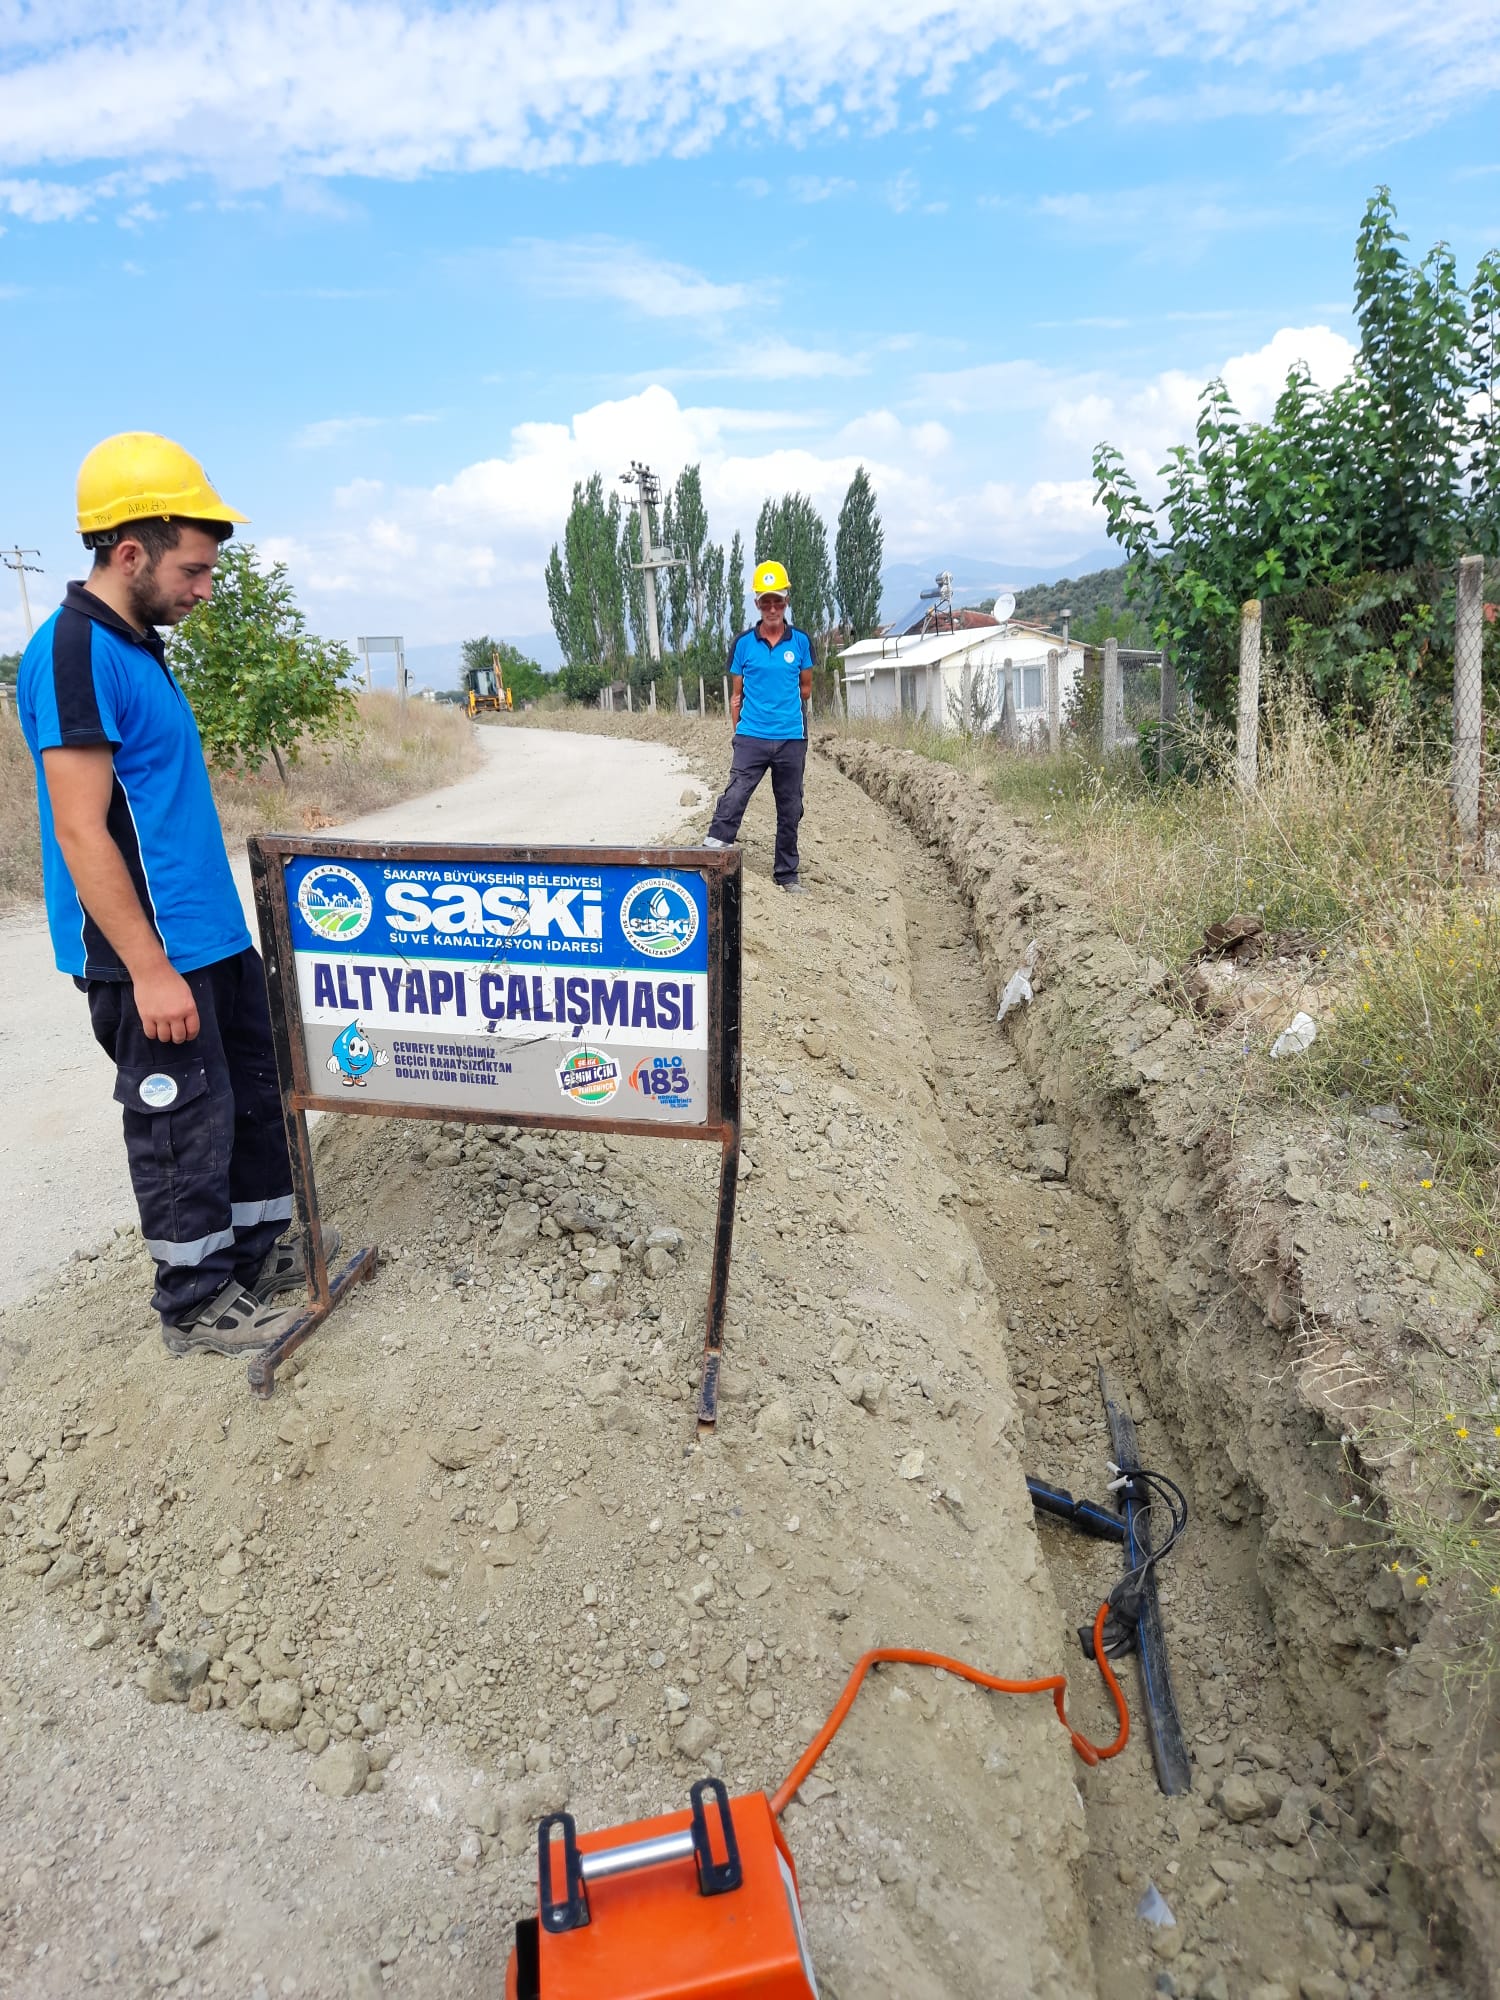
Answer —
917 652
962 617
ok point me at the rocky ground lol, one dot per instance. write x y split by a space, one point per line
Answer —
285 1687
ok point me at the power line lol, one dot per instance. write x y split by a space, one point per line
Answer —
16 559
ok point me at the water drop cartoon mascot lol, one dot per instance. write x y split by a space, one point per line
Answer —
353 1058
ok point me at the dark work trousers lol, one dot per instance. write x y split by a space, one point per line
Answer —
753 757
203 1131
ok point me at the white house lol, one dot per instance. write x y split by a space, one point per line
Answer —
927 674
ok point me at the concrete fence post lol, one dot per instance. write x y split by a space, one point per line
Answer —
727 722
1114 693
681 697
1009 719
1054 700
1168 709
1247 735
1468 698
702 700
629 699
653 697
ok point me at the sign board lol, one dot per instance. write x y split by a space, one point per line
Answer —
571 987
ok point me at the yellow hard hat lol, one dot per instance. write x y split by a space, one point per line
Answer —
138 476
770 579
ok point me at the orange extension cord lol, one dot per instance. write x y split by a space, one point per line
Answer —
1054 1684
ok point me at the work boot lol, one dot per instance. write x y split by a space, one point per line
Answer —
232 1322
792 887
283 1268
709 841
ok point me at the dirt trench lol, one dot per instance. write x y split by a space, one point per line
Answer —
472 1563
1263 1294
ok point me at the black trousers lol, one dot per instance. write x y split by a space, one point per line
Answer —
753 757
203 1131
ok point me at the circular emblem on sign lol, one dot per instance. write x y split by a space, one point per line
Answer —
659 917
789 656
334 902
158 1091
588 1077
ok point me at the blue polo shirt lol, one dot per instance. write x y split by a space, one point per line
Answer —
772 705
89 680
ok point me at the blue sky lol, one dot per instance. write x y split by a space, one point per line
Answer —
401 273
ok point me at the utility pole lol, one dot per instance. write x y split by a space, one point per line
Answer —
16 559
646 496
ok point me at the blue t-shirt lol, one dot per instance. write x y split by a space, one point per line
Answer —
87 679
772 705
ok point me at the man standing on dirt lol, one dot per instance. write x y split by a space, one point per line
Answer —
770 685
143 909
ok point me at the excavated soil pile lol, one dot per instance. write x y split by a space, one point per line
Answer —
1277 1298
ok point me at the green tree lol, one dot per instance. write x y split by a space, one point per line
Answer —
585 585
1108 621
1396 468
690 538
858 549
790 531
634 580
259 682
736 585
10 667
581 680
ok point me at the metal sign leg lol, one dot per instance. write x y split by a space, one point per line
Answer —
718 1281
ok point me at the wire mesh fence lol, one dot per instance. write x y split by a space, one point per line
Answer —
1419 645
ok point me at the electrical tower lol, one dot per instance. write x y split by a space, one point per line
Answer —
648 495
16 559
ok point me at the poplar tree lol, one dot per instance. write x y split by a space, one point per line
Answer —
858 549
790 531
736 584
585 586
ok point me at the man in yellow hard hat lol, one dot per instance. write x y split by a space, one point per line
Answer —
770 685
142 907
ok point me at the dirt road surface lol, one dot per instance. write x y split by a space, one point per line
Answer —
62 1165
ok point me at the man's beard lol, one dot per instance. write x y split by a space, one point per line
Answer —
149 605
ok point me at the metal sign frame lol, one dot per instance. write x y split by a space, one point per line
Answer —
271 855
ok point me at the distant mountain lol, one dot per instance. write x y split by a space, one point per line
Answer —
1044 602
901 584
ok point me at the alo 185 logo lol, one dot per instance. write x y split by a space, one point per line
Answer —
664 1080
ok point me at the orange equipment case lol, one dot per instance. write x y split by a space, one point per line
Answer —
701 1905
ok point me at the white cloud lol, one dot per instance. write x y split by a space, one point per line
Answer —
774 359
424 560
1144 420
332 430
308 93
818 187
44 201
601 267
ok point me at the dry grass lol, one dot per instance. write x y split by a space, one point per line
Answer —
1345 827
20 840
391 755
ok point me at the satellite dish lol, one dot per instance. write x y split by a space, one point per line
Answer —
1005 605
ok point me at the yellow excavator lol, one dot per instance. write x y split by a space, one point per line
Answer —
485 688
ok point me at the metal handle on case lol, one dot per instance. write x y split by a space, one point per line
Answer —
692 1843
